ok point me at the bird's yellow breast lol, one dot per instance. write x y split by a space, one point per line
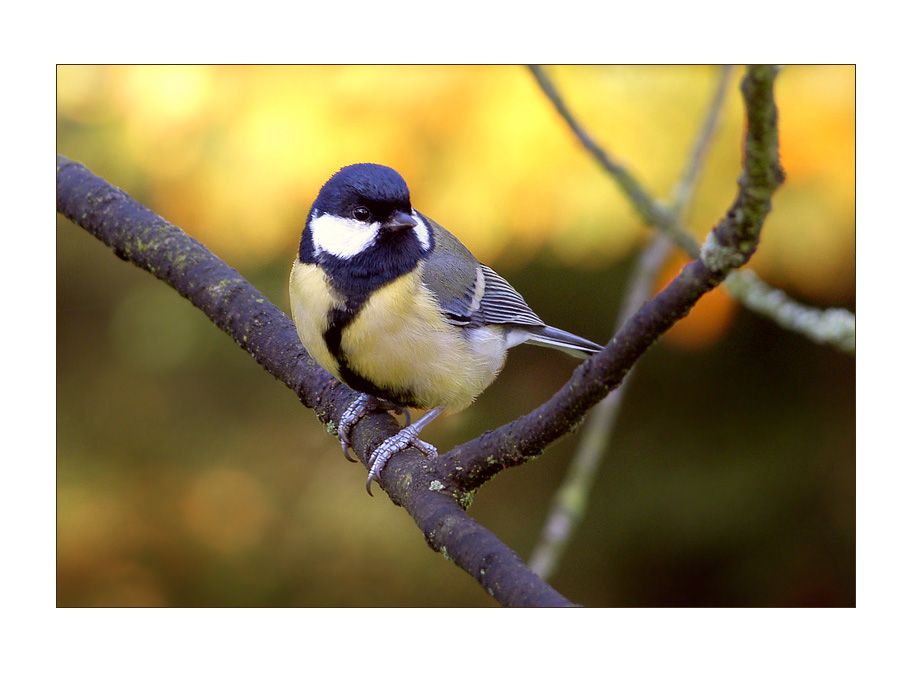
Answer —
312 299
400 341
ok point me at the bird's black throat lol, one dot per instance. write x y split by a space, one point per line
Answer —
355 279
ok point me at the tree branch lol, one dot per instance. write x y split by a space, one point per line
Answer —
570 501
434 495
139 236
729 245
649 209
833 326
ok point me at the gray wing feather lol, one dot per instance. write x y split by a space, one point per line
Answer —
450 272
472 295
501 304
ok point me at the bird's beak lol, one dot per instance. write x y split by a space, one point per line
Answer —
399 221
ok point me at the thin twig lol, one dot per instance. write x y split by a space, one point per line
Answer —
651 211
835 327
572 497
570 502
684 191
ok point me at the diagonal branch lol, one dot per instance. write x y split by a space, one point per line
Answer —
435 496
138 235
729 245
833 326
570 501
649 209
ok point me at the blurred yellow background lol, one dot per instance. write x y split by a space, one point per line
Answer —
186 476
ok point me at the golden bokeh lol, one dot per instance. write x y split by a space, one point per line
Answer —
235 154
188 476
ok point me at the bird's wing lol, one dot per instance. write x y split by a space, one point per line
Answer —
501 304
470 293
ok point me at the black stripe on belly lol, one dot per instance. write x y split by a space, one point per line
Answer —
337 320
393 255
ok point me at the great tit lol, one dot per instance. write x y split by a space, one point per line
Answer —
394 306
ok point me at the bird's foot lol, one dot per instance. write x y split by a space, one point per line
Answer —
394 444
356 413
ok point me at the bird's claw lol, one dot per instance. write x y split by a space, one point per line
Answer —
356 412
394 444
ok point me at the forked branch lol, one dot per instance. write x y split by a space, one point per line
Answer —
434 495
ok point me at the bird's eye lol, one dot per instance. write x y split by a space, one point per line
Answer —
361 213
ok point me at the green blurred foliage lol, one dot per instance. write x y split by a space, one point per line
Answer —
187 476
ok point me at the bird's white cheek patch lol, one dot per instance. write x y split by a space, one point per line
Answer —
343 238
421 231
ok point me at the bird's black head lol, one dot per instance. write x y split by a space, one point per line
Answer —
364 192
362 229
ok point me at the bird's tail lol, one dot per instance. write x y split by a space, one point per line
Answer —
565 341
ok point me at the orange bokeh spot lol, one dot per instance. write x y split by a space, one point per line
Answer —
707 322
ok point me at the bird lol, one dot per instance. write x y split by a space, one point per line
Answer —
393 305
